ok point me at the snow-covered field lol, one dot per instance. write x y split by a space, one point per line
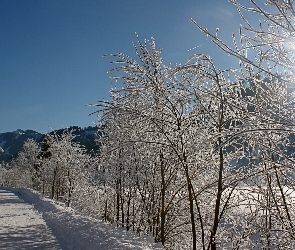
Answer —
30 221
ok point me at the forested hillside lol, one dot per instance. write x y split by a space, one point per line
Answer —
12 142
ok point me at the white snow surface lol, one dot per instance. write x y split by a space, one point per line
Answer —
30 221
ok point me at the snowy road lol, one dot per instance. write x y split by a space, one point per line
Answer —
21 226
29 221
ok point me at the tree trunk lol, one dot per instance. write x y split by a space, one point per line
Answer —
53 183
163 213
191 202
218 199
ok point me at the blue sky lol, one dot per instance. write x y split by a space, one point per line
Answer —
51 61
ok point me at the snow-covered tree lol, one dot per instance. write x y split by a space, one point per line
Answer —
221 140
63 170
22 171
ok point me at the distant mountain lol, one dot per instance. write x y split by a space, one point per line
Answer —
12 142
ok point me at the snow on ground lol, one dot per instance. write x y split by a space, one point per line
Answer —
21 226
29 221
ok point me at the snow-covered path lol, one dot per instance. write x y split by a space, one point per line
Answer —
29 221
21 227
